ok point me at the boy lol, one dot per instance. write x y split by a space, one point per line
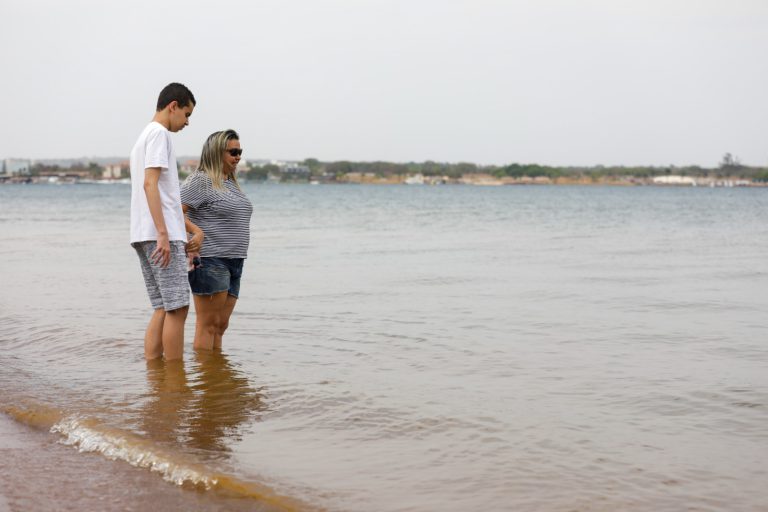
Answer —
158 232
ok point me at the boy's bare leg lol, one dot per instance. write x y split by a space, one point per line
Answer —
153 338
173 333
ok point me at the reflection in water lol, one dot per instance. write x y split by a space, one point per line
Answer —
165 412
200 407
224 401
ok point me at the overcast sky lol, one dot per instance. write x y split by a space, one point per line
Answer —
582 82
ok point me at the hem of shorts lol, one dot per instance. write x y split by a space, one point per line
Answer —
214 293
225 257
205 294
174 308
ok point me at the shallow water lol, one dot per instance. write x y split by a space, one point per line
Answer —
415 348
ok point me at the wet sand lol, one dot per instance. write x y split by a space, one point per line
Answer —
38 473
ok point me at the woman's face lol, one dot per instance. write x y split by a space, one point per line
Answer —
231 161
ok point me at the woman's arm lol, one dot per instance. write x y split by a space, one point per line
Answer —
194 243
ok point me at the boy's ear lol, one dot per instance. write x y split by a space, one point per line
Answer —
173 105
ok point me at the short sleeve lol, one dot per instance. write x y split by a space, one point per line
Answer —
194 190
157 150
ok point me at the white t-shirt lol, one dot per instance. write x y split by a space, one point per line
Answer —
155 149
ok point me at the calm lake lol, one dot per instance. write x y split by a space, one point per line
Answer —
412 348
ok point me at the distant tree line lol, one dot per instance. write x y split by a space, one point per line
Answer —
729 167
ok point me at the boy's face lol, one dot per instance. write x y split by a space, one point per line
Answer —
179 117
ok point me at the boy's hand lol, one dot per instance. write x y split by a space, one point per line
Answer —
162 254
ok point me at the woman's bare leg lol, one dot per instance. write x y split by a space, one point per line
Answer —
226 312
208 309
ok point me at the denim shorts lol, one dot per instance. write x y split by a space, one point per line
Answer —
215 275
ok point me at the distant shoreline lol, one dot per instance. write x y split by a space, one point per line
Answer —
484 180
730 172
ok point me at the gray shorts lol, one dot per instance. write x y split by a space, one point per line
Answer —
167 287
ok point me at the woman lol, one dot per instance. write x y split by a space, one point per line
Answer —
212 200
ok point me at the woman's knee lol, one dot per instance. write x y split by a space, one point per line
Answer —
215 326
211 328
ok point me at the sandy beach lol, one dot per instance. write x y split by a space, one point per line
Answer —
38 473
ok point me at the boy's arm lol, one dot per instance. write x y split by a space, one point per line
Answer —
162 254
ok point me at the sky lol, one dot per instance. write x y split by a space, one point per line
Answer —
555 82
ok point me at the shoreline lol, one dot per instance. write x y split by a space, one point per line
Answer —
484 181
39 473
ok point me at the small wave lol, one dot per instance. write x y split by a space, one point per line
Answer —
90 436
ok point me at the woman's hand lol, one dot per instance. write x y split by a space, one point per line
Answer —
196 242
193 261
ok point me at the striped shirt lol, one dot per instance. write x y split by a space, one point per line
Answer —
223 215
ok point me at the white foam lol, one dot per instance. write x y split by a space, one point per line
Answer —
137 452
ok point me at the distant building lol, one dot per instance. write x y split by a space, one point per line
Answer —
116 171
63 176
188 166
17 166
674 180
295 170
414 179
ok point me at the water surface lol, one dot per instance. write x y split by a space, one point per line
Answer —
405 348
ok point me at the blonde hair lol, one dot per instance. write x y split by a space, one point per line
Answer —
212 157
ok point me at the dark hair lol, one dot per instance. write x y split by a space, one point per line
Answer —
175 92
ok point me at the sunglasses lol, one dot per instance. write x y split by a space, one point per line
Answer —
234 151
